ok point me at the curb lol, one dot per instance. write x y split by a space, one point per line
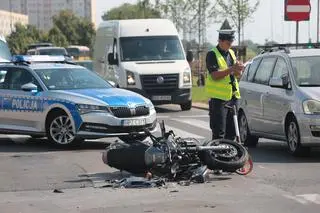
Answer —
200 106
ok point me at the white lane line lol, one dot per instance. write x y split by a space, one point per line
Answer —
183 133
197 123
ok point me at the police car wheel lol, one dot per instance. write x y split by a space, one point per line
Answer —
60 130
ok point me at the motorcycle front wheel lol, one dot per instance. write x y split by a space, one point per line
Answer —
229 160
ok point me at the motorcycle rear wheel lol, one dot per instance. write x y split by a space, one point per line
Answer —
219 161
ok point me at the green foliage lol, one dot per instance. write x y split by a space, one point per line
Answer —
67 29
57 37
19 40
239 11
142 9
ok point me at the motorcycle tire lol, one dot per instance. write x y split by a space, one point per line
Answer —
216 162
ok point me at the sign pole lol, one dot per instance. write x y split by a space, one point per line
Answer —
297 34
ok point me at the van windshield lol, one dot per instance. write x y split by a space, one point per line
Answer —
4 51
151 48
306 71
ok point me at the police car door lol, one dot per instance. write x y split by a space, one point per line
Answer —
21 106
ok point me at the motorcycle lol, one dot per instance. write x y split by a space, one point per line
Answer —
176 158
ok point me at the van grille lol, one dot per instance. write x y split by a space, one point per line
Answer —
151 82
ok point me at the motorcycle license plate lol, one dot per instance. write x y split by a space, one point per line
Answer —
134 122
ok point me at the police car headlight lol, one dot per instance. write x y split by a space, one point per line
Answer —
86 108
149 104
130 78
311 107
187 76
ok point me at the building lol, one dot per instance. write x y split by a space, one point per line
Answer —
40 12
8 21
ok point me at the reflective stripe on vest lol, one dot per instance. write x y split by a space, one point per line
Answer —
221 88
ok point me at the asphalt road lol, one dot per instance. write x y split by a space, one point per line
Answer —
30 170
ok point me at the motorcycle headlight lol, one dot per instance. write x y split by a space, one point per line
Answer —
86 108
187 76
130 78
311 107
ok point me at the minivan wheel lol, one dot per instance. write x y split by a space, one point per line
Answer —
294 141
245 136
60 131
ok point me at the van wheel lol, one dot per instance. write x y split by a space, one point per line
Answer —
60 131
186 106
293 139
245 136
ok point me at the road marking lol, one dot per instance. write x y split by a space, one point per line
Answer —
305 198
182 133
194 122
163 116
297 199
314 198
193 116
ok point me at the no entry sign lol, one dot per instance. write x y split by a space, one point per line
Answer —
297 10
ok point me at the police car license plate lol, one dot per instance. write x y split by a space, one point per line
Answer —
161 98
134 122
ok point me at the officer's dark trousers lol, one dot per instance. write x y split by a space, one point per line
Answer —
221 118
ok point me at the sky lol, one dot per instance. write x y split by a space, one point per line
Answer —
267 22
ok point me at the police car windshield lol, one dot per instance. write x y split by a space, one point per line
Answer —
306 71
147 48
71 78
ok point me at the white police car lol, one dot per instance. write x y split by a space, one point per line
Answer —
48 96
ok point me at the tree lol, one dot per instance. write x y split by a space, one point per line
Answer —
56 37
67 23
77 30
239 11
143 9
19 40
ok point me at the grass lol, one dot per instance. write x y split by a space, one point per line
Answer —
199 94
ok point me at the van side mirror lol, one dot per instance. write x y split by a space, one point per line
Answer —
112 60
189 56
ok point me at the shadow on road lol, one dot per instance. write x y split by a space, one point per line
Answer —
42 145
276 152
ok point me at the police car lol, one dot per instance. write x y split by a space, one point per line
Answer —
49 96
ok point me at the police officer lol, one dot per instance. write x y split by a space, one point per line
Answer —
221 83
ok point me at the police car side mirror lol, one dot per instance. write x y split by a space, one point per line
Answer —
29 87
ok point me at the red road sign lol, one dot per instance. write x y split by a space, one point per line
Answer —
297 10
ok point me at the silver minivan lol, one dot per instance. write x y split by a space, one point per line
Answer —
280 99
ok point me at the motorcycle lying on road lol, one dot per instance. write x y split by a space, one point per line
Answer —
176 158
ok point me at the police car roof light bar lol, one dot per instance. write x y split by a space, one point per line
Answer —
37 58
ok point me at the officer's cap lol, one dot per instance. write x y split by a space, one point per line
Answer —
226 32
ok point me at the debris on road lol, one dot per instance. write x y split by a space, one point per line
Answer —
57 191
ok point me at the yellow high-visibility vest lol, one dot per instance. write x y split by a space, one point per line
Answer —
222 89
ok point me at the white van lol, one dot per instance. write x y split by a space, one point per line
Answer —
145 56
5 54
